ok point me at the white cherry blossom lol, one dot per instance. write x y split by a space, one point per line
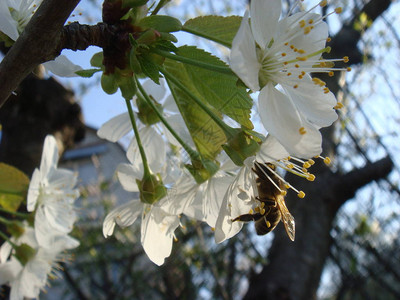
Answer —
275 57
51 192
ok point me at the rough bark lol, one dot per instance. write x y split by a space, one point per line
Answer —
294 269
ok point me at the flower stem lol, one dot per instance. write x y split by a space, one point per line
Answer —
229 131
193 154
208 37
6 238
186 60
15 213
138 140
5 221
159 6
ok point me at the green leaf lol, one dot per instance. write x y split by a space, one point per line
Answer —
97 60
149 68
206 134
215 28
87 73
219 90
13 187
161 23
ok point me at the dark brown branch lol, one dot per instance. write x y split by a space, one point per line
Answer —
347 185
35 45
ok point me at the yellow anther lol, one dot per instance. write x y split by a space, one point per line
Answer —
297 66
290 166
323 3
175 239
322 64
304 170
328 39
306 165
339 105
302 58
302 131
288 158
212 229
301 194
338 10
283 193
303 73
287 186
285 63
295 49
301 51
302 23
286 43
288 74
311 162
331 74
291 47
348 69
311 177
327 160
295 86
346 59
300 76
262 211
268 223
262 204
256 209
307 30
310 21
326 90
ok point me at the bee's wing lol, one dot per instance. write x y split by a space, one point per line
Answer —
287 218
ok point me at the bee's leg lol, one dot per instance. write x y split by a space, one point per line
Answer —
248 217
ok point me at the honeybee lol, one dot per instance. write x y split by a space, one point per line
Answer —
273 208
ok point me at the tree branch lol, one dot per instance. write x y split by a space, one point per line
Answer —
347 185
35 44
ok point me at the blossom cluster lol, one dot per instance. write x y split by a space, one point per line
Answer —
270 55
28 258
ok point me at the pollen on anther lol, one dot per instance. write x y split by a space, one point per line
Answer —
326 90
338 105
311 162
287 186
283 54
301 194
338 10
323 3
348 69
306 165
331 74
328 39
327 160
283 193
307 30
302 23
288 74
346 59
302 58
297 66
286 43
295 86
302 131
285 63
311 177
310 21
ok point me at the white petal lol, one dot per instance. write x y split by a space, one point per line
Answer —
34 190
238 200
157 234
264 20
49 155
62 66
243 57
213 197
313 103
313 41
278 115
309 144
153 145
7 24
157 91
127 175
9 271
116 128
63 180
178 124
123 215
170 105
271 150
